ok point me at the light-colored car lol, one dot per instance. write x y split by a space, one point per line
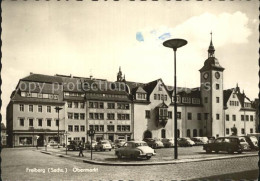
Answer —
200 140
185 141
154 143
168 142
135 149
87 145
103 145
119 143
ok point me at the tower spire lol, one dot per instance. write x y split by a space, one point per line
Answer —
211 49
119 74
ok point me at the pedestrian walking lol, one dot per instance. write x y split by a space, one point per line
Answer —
80 149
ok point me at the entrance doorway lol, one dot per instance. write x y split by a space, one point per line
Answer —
147 134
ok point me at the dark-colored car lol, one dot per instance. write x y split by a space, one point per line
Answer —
252 141
230 144
153 143
73 146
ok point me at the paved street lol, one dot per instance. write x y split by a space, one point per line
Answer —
163 154
17 162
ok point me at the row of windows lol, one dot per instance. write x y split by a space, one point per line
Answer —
234 103
39 122
160 97
106 95
100 128
39 108
80 116
169 114
74 94
140 96
80 105
39 95
100 105
76 128
187 100
110 116
243 117
242 130
195 132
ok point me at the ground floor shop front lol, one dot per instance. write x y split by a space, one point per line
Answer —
36 138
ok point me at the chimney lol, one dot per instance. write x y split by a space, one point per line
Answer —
31 73
71 76
90 77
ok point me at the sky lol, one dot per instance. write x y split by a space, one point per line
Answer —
94 38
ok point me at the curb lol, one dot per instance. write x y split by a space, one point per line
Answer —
94 162
166 162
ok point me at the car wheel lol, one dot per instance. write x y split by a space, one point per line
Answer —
208 150
119 155
109 149
216 151
101 149
239 152
148 157
230 151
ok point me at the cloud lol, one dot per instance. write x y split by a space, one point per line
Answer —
226 28
150 55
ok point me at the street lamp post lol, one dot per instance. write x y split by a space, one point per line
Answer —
174 44
58 110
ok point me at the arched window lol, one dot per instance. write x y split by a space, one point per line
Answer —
147 134
195 133
163 133
201 132
188 132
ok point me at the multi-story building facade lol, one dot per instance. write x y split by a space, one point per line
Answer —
124 109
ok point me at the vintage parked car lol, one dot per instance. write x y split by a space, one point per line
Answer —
252 141
185 141
88 143
168 142
103 145
153 143
197 141
73 146
135 149
230 144
112 144
119 143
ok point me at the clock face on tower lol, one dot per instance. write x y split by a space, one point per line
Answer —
217 75
206 75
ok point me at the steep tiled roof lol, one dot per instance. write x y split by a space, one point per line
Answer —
227 93
42 78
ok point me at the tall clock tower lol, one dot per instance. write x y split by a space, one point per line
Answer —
211 78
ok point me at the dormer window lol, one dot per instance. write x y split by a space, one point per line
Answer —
195 101
248 105
186 100
140 96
